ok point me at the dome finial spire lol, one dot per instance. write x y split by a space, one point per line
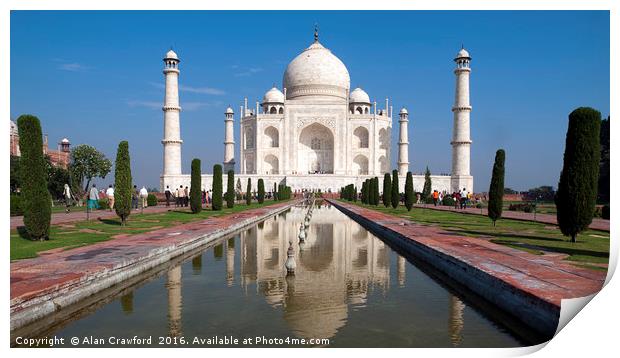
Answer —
316 32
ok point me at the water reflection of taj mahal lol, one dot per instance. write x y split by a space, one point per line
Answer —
341 268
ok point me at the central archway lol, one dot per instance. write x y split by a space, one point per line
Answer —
316 150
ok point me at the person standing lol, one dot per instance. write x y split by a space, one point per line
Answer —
181 199
464 199
93 198
168 195
435 197
68 198
110 195
143 195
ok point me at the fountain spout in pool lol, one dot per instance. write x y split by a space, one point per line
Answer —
290 261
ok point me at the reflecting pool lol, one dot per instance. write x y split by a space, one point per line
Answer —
349 287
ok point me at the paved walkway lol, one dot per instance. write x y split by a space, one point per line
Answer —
63 218
58 271
546 277
597 224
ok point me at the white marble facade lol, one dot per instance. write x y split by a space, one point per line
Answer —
317 133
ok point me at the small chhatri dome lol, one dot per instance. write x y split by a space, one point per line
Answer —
358 95
463 53
229 110
64 140
274 95
171 55
403 111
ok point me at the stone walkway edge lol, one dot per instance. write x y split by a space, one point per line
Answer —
527 287
36 293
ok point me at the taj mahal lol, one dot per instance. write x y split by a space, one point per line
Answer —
316 133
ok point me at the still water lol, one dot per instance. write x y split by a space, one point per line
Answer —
349 287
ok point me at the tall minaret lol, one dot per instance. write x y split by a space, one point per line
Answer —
229 141
403 143
172 129
461 141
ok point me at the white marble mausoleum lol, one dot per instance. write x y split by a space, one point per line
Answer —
317 133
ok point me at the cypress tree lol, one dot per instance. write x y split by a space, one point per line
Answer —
248 193
371 191
576 196
364 191
426 191
230 190
195 194
387 190
275 192
496 190
376 194
409 194
217 187
395 191
354 194
261 191
36 199
122 182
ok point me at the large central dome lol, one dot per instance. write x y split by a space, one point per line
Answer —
316 72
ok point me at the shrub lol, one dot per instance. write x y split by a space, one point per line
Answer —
122 182
448 201
525 207
409 194
577 190
103 203
36 199
195 192
387 190
16 205
496 190
261 191
151 200
217 187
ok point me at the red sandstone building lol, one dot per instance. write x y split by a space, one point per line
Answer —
59 157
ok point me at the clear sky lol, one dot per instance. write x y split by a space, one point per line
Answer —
95 77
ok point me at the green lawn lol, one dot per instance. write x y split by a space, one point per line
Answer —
592 247
83 233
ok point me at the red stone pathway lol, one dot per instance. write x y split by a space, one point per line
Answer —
545 277
60 270
63 218
597 224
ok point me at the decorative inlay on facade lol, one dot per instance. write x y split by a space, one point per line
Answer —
329 122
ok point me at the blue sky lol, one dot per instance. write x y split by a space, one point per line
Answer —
95 77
